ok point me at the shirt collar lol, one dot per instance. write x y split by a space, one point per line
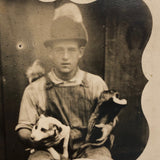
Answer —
76 80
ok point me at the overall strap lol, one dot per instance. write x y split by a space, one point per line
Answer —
50 87
85 81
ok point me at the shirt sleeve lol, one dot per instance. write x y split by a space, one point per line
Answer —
99 86
28 113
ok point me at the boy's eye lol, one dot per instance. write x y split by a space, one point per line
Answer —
71 49
58 50
43 130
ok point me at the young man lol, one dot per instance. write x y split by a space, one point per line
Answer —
69 93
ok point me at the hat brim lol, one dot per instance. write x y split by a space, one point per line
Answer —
49 43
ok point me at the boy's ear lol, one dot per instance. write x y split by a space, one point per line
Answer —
81 51
49 51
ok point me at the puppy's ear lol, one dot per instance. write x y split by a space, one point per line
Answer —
59 129
42 116
40 111
122 102
51 126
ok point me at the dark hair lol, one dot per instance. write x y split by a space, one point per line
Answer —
81 43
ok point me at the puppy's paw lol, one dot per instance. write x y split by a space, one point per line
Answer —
106 130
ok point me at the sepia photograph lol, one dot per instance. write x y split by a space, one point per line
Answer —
78 79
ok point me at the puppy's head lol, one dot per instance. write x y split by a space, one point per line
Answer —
44 128
110 105
112 94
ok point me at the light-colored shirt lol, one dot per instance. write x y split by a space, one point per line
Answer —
34 96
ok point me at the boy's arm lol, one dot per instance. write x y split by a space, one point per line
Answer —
25 137
27 118
28 113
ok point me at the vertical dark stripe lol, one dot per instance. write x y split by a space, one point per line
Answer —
2 113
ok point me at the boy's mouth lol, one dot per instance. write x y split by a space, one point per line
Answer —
65 64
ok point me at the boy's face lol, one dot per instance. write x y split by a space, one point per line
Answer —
65 55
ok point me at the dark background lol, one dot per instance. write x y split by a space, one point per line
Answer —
118 32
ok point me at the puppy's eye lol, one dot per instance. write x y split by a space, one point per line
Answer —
36 127
117 95
43 130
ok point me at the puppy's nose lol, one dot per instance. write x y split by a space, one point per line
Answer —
32 137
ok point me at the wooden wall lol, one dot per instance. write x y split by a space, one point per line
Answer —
118 31
128 27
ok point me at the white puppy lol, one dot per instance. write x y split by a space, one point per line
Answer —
49 126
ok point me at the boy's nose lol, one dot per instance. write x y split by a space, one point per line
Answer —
65 55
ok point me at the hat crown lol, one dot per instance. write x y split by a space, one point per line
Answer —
69 10
67 24
66 28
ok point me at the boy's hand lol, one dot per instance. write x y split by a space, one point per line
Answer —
51 141
47 142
